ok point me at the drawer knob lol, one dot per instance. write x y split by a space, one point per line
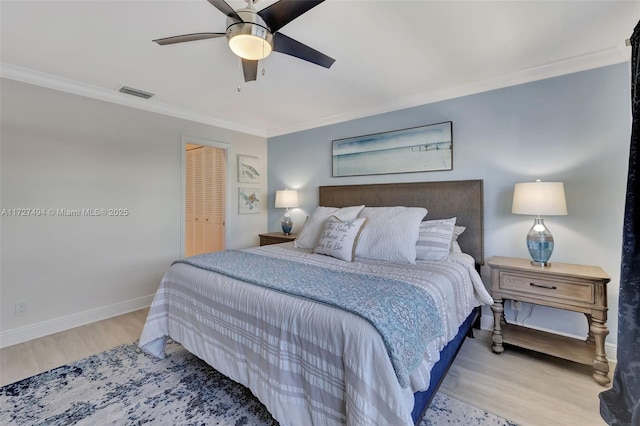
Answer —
550 287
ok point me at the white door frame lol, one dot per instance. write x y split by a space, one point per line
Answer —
183 184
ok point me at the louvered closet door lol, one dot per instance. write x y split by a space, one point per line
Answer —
190 205
198 202
214 196
205 201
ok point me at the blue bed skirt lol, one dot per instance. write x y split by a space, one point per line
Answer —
447 355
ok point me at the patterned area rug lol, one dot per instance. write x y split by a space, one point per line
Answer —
124 386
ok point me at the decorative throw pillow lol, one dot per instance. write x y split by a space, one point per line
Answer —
391 233
435 238
310 233
339 238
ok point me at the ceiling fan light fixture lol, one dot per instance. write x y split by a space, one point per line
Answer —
250 46
249 38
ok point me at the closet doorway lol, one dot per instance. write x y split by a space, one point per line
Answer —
205 179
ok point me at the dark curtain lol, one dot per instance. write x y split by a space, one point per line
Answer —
620 405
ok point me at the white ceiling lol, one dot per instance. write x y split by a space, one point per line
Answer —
389 54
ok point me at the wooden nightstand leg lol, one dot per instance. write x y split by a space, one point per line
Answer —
600 363
498 317
590 338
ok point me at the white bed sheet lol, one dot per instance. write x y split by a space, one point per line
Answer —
309 363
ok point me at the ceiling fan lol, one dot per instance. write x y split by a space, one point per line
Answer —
253 35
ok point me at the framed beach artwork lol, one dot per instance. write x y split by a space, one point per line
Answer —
248 169
417 149
249 200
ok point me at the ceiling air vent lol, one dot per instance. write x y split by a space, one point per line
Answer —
135 92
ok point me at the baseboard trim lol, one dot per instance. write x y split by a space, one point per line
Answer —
486 323
45 328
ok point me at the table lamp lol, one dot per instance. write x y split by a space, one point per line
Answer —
285 199
539 199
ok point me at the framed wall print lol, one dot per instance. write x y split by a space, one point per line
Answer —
249 200
248 169
417 149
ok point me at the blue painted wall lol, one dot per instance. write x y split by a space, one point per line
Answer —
574 128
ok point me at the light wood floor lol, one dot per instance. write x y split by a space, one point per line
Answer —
522 386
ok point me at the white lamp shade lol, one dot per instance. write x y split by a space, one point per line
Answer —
286 198
539 199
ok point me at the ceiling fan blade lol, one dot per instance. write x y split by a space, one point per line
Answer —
282 12
289 46
187 37
250 70
223 7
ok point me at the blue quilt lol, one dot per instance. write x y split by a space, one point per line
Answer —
405 315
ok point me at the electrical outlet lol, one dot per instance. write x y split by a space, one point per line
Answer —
21 308
516 305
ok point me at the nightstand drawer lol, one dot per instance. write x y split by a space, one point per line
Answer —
547 287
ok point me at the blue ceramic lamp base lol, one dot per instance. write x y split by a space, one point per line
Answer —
540 243
287 224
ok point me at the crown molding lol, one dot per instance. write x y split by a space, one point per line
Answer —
601 58
610 56
26 75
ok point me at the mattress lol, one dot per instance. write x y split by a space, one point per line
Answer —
309 363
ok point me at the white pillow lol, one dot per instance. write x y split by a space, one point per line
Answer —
457 230
391 233
435 238
455 247
312 228
339 238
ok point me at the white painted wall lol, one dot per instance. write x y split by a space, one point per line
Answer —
62 151
573 128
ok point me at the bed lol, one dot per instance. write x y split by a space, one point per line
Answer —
310 362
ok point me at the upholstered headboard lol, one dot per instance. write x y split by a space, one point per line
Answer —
462 199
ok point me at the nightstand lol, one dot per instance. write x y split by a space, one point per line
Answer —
276 238
577 288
